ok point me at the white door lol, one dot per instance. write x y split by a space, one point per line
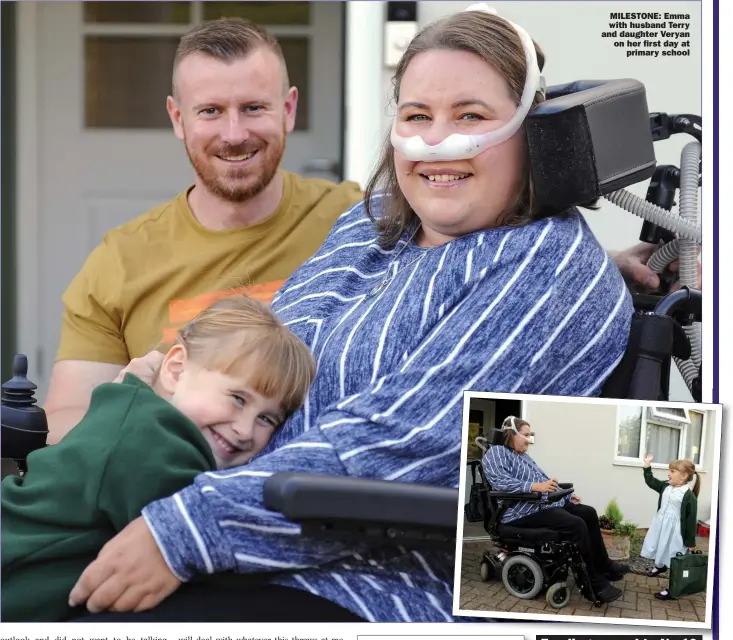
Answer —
105 150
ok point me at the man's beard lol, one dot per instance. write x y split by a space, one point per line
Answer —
238 184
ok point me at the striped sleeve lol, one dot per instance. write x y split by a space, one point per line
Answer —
500 474
405 425
589 311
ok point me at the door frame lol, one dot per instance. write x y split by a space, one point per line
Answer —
8 220
27 185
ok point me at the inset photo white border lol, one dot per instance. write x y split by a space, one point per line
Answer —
586 439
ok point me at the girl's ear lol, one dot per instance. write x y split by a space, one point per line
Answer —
172 368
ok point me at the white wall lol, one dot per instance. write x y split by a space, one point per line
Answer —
575 442
569 33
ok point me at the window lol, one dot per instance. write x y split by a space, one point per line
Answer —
678 414
129 49
667 433
629 432
695 438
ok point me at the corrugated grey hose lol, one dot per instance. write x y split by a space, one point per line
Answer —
689 169
661 217
685 247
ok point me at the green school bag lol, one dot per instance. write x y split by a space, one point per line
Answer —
688 574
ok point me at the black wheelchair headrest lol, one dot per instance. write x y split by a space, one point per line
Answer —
588 139
497 437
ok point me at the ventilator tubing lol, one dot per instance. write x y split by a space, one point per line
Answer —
684 248
651 212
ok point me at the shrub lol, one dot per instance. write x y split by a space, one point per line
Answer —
612 516
605 523
625 529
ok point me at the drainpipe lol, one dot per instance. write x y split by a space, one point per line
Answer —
364 88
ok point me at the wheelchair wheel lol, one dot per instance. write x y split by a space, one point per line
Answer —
558 595
522 577
487 571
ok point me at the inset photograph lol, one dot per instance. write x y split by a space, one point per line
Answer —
587 508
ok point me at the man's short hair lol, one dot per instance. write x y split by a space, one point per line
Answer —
227 40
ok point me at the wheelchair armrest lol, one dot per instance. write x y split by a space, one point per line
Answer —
507 496
683 305
687 301
365 510
566 488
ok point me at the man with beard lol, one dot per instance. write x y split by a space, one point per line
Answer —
244 225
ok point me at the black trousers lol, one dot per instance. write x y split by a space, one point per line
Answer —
206 602
576 523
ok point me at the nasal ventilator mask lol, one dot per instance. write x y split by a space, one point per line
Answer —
511 425
459 146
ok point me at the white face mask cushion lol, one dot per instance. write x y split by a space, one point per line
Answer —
464 147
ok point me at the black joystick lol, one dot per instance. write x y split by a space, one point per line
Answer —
24 425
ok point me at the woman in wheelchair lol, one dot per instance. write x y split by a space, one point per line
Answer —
447 277
510 468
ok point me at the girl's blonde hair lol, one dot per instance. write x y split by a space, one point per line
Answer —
688 468
238 332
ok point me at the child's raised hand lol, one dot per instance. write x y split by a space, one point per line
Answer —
648 460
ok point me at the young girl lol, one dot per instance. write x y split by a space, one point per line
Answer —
232 377
674 527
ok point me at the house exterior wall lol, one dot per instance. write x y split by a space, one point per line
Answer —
575 442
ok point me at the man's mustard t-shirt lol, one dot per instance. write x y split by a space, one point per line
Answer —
152 275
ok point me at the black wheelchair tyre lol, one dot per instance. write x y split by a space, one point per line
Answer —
522 577
558 595
486 571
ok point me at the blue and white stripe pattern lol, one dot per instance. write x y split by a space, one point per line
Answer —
536 309
507 470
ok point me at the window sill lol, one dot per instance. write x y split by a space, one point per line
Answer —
640 464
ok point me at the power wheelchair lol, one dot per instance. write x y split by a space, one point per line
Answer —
588 140
530 560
